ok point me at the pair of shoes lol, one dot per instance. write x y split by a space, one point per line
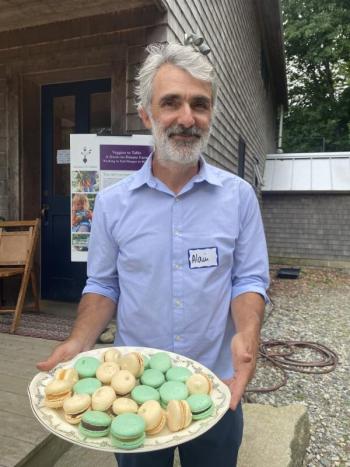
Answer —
108 335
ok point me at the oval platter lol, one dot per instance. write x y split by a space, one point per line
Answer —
53 419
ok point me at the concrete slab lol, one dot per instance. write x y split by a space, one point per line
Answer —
274 436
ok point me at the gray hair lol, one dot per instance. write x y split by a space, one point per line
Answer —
182 56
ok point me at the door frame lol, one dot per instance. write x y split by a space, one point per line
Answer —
61 279
29 167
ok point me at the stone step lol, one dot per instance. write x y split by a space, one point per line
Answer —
274 436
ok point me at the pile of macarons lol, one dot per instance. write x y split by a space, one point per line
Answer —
129 396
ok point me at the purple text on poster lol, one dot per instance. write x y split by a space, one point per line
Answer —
123 157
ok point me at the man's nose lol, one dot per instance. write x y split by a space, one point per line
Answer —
186 117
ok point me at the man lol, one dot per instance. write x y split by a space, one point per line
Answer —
180 247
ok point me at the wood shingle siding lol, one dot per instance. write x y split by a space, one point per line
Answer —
232 31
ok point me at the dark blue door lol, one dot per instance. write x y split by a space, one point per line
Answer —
81 107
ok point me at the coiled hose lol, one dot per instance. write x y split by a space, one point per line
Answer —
281 354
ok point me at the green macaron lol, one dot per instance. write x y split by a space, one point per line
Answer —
128 431
201 406
87 386
94 424
143 393
153 378
172 390
87 366
145 361
160 361
178 373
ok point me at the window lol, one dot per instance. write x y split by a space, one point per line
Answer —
264 69
241 157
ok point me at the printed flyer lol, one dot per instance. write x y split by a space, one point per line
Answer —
97 162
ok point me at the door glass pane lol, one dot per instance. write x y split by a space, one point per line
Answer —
100 113
63 126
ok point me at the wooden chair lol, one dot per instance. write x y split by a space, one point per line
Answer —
18 240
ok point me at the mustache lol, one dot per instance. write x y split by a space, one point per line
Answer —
183 131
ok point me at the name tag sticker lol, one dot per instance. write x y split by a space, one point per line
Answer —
203 257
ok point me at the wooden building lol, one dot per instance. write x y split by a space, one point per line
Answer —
68 67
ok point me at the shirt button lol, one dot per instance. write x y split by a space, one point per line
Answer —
178 233
177 199
178 338
178 302
177 266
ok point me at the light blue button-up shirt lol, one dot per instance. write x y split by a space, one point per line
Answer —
174 262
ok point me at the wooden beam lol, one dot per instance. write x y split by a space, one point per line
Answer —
82 27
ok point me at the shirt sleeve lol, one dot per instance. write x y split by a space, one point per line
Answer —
102 256
250 272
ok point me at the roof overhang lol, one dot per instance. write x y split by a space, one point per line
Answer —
307 172
270 17
17 14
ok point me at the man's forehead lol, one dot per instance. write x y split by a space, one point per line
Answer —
173 80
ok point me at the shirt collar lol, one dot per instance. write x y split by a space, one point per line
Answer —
145 176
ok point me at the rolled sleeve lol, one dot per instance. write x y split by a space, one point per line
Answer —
250 272
102 257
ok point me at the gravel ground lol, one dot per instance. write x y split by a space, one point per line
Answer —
314 308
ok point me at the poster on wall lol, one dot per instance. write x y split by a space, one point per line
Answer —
97 162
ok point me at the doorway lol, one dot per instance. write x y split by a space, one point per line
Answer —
79 107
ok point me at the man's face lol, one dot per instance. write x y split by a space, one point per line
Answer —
180 115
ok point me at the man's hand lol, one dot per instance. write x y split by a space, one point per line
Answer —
63 352
244 353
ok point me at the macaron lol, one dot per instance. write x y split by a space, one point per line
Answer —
160 361
106 371
111 355
103 398
67 374
143 393
154 417
201 406
153 378
74 407
133 362
94 424
199 383
179 415
172 390
56 392
123 382
178 373
124 405
87 386
145 361
87 366
128 431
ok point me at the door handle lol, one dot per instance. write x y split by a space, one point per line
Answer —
44 212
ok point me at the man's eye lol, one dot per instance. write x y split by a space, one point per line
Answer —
169 103
201 105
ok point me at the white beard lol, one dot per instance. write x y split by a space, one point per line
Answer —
181 152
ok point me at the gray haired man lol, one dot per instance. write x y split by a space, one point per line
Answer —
179 249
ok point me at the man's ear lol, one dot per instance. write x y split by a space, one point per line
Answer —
146 120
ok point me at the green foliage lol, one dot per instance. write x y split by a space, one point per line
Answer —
317 44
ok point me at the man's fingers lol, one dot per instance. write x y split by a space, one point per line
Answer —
237 388
48 364
62 353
